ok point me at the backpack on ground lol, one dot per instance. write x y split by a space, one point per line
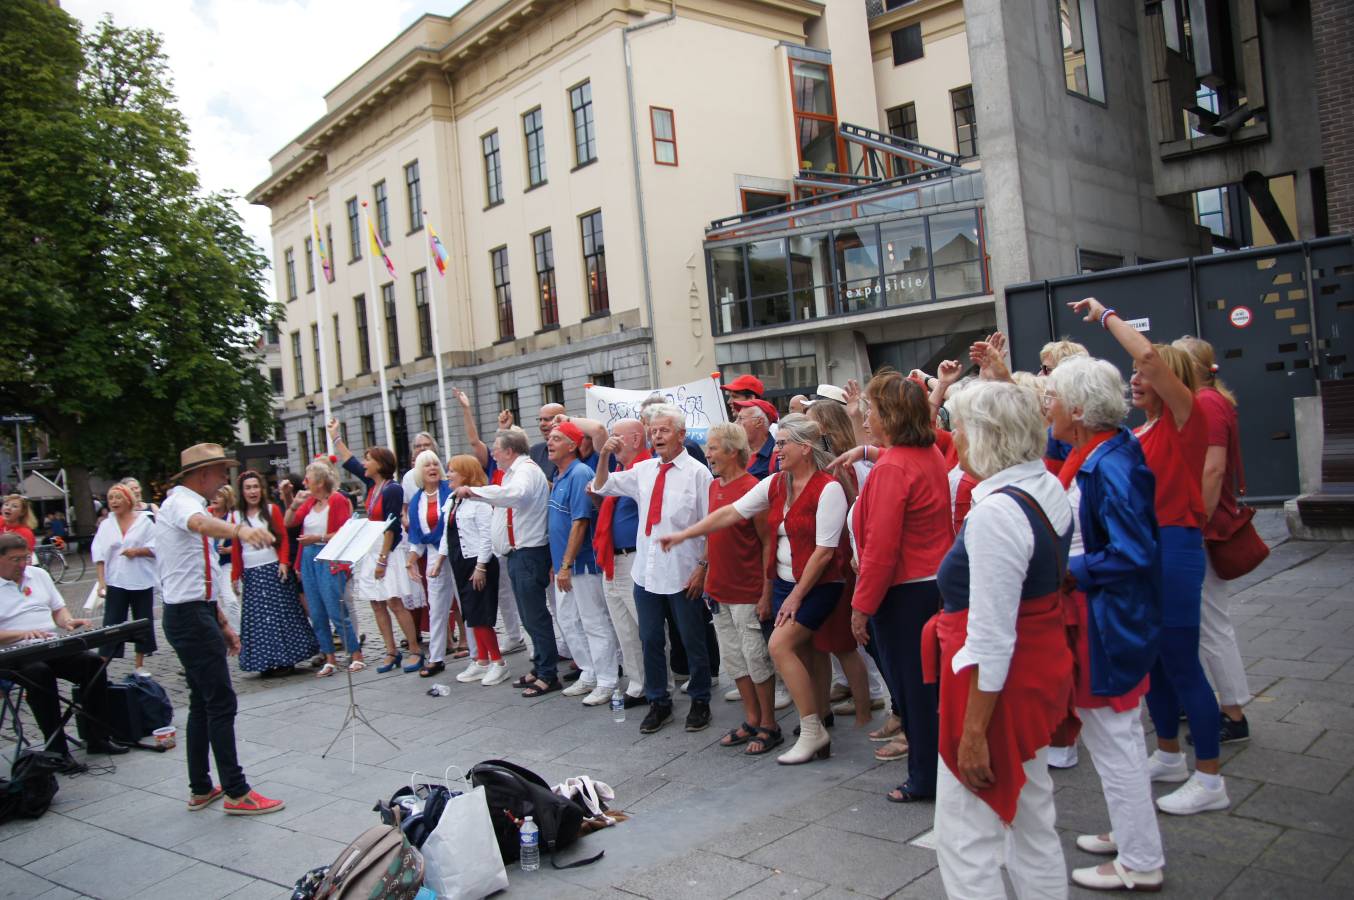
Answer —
29 790
513 793
380 865
136 707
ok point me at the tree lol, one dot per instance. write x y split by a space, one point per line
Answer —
133 299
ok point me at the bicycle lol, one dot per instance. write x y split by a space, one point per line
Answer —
60 563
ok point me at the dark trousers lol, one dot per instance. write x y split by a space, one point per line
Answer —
193 632
529 571
652 611
897 632
39 682
122 605
680 665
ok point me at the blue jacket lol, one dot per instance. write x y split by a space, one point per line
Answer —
418 525
1120 569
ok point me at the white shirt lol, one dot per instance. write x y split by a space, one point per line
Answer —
249 556
316 521
828 520
1000 545
31 611
120 571
526 491
474 528
686 500
412 484
178 551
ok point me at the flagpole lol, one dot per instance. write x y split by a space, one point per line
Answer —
437 341
380 333
323 375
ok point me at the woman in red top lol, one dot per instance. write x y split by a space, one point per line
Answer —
16 517
1174 442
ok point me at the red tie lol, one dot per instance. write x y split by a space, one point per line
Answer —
656 501
207 564
512 539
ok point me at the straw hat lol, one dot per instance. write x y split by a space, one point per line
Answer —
200 456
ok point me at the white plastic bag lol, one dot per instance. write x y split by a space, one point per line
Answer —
461 857
592 794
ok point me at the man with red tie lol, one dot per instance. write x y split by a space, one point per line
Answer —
614 545
672 491
197 629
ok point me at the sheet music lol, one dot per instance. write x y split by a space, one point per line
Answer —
353 541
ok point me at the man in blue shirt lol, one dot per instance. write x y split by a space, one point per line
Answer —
581 603
756 417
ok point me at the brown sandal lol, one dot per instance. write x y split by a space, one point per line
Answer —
894 749
893 726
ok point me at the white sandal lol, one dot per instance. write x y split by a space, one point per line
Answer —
326 670
356 665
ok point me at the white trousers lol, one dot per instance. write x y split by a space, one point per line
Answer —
620 605
510 623
972 843
1218 650
877 686
561 637
440 591
1118 749
587 627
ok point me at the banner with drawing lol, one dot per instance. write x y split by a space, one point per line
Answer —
702 401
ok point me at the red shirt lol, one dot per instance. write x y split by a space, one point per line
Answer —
1176 458
22 531
945 443
906 495
735 554
963 499
1222 431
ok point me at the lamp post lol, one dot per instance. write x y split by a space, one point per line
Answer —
310 411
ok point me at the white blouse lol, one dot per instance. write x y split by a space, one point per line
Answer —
828 520
119 571
252 556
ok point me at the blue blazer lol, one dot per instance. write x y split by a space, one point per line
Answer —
418 525
1120 569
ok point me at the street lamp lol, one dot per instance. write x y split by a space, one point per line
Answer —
310 411
397 390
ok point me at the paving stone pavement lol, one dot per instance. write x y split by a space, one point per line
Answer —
706 823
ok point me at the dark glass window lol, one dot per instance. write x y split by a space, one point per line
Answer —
498 261
310 264
493 169
903 121
424 311
354 231
368 432
810 275
297 367
956 254
392 327
594 263
907 44
965 121
303 444
508 400
329 249
289 264
544 251
338 349
363 341
585 132
315 349
730 288
603 379
552 392
378 191
533 130
275 375
857 263
907 276
413 191
815 115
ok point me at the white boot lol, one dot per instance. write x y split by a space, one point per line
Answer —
814 743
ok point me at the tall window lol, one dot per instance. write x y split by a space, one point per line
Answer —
310 264
378 191
270 333
1079 26
544 247
603 379
903 121
275 376
425 322
392 326
315 351
289 264
552 392
508 400
498 261
428 413
965 123
664 127
533 129
907 45
303 445
815 115
343 433
413 192
297 367
338 349
354 231
363 341
329 244
493 169
585 133
594 262
368 432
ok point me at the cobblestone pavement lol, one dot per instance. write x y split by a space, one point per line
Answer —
707 822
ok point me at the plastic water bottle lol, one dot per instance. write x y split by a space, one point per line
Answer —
617 706
530 859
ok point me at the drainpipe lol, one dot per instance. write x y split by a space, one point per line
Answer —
639 187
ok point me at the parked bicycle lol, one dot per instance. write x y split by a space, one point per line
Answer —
63 564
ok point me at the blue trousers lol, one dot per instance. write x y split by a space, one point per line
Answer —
529 571
1178 682
324 595
653 610
896 628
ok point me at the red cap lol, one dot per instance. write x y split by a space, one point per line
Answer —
771 414
746 383
571 431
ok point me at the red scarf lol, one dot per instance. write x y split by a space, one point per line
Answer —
1072 465
602 544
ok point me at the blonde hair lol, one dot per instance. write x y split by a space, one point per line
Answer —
834 423
422 460
469 468
25 510
1181 363
126 492
732 438
1206 361
227 497
1059 351
325 472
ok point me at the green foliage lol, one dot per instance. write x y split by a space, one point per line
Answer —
133 299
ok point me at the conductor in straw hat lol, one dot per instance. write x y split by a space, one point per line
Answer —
197 628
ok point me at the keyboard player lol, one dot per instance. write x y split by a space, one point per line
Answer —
32 609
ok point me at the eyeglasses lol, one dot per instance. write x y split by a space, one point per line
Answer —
1045 369
1047 399
780 445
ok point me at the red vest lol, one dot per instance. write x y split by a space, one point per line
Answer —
801 527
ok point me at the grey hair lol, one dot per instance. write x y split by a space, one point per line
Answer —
1093 386
668 411
513 441
797 428
432 441
732 438
757 412
1003 426
325 472
655 397
11 541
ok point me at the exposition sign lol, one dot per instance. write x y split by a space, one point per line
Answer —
702 401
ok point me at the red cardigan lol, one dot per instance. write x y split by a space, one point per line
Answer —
283 550
340 511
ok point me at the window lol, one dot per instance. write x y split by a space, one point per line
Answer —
552 392
956 257
493 169
343 433
363 341
368 432
354 231
303 445
428 414
965 124
275 375
424 311
270 333
310 265
508 400
594 263
783 377
498 261
329 242
664 136
413 192
815 115
378 191
907 44
279 430
315 352
895 4
289 264
585 133
1094 261
392 327
297 368
533 129
903 121
544 247
1079 27
603 379
754 201
338 349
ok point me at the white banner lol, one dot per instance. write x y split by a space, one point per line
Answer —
702 401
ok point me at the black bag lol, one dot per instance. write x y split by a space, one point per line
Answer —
136 707
416 825
513 793
29 790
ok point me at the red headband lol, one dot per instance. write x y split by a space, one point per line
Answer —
571 431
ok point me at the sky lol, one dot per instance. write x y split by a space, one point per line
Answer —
250 75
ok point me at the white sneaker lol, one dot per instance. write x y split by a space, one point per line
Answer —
497 673
1062 757
143 673
1094 843
782 696
1193 797
598 696
1160 771
513 646
1118 878
732 695
473 672
714 683
579 688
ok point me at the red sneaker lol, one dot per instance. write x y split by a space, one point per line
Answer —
252 804
202 801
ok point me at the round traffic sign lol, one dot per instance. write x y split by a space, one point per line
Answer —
1240 317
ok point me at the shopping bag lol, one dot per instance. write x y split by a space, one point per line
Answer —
461 858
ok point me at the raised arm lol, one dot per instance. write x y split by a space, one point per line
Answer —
472 432
340 449
1174 393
